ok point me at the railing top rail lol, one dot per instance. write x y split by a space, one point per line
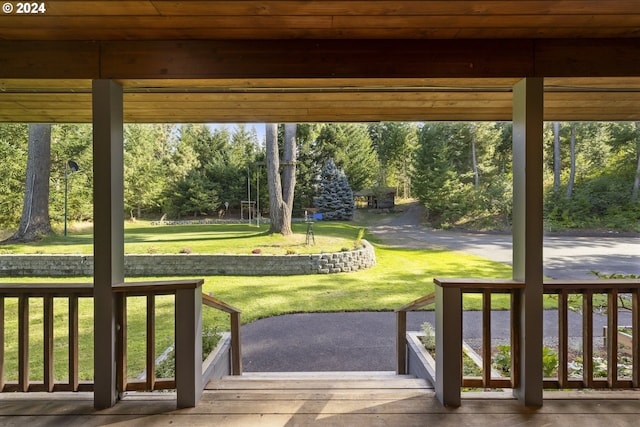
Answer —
478 285
42 289
159 287
419 303
551 286
219 304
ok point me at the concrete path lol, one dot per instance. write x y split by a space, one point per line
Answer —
366 341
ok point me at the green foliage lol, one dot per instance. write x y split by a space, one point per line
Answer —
348 144
167 366
13 162
394 143
600 275
604 191
358 242
460 171
549 362
146 154
444 174
429 336
502 360
214 172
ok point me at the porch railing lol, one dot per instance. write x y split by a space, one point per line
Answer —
448 300
47 292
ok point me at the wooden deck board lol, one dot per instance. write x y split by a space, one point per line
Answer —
369 400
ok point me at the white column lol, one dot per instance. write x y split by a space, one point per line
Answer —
108 217
528 105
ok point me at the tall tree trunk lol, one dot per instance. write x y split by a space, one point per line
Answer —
476 176
636 181
34 223
278 210
556 157
289 165
572 174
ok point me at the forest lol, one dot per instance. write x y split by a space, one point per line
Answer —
460 171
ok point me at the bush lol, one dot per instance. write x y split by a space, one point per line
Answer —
167 366
502 360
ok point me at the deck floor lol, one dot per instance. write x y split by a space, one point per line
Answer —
321 399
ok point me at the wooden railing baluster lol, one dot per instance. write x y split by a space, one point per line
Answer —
515 338
587 339
486 338
563 337
121 342
151 341
635 338
401 342
49 379
1 343
612 338
73 342
23 343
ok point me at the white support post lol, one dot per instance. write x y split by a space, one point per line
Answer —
448 345
528 106
108 214
188 346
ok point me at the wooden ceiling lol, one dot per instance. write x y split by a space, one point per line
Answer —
313 61
329 100
303 19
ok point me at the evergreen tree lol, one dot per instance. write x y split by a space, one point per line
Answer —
335 197
71 142
350 146
13 161
145 152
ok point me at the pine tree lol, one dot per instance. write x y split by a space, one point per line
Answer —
335 199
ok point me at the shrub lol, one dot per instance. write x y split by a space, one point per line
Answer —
430 336
502 360
167 366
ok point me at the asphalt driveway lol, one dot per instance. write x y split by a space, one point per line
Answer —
365 341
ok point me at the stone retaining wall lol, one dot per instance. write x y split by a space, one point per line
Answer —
193 264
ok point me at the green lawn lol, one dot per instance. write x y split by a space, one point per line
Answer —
400 276
143 238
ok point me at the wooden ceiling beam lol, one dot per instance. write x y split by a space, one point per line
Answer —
329 59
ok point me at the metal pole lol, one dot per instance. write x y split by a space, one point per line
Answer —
249 193
258 197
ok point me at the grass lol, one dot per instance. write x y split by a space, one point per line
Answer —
143 238
400 276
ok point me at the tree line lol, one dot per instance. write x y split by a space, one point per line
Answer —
460 171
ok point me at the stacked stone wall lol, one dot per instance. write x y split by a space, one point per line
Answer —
194 264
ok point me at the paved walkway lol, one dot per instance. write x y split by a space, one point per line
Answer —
366 341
